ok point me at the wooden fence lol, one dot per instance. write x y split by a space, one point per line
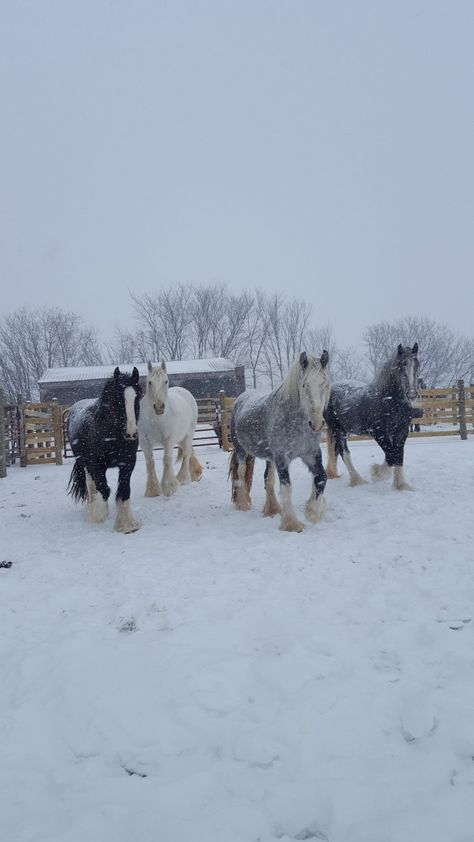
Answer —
36 433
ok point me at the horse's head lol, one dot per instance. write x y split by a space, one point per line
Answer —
157 386
314 388
123 395
407 368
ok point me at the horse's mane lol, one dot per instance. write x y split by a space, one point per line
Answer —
384 379
289 386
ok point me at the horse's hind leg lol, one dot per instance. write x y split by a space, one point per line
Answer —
354 477
184 473
331 465
97 501
169 483
271 506
152 488
241 471
289 522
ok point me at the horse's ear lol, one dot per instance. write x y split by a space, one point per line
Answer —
150 367
400 350
303 359
414 350
324 359
116 373
135 375
163 365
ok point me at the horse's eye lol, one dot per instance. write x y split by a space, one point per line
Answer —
166 382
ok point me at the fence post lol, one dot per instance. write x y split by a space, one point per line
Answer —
3 458
21 431
462 410
58 432
224 421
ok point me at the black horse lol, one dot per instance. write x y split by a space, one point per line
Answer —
383 409
103 434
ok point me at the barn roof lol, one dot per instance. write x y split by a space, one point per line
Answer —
103 372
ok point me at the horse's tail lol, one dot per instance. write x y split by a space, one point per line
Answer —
234 475
195 466
77 486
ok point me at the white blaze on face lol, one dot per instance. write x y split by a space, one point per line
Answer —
315 396
130 396
411 370
158 390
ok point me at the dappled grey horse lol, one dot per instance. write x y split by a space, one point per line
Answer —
383 409
279 427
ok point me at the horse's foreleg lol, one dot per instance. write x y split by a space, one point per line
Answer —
289 522
395 457
316 505
98 493
271 506
124 519
169 483
152 487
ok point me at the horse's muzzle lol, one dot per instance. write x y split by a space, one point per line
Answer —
314 428
159 410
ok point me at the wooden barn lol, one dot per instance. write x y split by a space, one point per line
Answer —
203 378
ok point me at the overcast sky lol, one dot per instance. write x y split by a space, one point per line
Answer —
323 149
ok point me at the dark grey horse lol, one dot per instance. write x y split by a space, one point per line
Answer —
279 427
383 409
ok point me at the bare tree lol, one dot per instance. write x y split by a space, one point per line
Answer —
32 341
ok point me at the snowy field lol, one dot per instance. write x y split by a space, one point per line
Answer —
211 679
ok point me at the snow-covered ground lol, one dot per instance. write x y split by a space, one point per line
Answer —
211 679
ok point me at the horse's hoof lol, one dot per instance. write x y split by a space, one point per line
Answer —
380 472
357 480
315 509
152 492
332 475
127 528
404 486
271 510
291 525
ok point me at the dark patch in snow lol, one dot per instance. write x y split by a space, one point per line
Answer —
129 625
134 772
6 564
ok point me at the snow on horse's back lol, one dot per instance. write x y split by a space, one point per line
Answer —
168 416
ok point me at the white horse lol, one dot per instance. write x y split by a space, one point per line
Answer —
167 417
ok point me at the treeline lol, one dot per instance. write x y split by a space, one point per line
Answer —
261 331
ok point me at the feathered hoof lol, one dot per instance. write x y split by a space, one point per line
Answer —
169 487
153 491
332 474
380 472
271 508
316 509
291 524
128 526
243 505
357 480
403 486
124 521
97 511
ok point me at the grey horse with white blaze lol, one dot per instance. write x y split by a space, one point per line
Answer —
280 427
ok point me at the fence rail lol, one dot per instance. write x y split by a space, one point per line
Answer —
36 433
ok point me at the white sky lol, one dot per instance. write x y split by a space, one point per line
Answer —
323 149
